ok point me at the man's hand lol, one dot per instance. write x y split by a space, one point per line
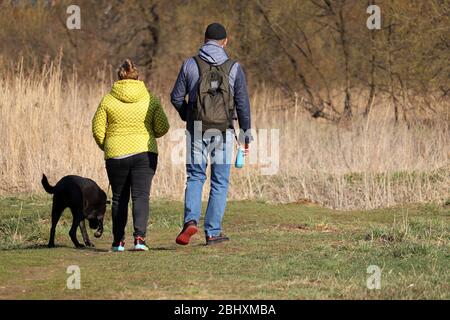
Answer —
246 149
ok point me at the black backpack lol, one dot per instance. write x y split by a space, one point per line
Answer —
215 104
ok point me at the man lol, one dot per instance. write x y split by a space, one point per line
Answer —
206 72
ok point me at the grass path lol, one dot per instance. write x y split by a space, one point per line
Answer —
277 252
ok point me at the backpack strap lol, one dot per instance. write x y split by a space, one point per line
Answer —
227 66
204 66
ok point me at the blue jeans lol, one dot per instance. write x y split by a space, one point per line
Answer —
199 149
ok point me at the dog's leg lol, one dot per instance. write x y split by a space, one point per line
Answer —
85 235
73 233
76 213
57 210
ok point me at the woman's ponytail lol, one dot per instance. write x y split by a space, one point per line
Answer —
128 70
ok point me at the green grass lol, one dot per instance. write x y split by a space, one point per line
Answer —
277 252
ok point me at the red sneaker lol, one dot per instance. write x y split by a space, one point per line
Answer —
189 229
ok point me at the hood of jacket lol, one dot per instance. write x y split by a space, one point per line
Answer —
129 91
213 53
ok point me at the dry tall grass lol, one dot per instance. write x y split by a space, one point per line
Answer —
45 124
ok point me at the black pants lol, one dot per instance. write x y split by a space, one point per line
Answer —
133 174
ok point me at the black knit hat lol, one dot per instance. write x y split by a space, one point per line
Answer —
215 31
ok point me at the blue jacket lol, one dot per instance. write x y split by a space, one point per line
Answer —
187 83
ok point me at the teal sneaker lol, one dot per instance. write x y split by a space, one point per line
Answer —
118 247
139 244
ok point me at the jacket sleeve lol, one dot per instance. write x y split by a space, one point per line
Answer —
242 102
179 92
160 123
99 123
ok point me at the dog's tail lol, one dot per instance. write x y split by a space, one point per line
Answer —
47 185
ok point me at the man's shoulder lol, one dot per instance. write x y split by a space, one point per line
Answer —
235 64
190 61
189 64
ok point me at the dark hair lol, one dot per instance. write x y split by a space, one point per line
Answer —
128 70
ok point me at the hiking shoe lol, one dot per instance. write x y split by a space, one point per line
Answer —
189 229
210 240
118 246
139 244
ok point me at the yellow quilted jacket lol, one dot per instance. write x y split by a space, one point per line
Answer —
128 120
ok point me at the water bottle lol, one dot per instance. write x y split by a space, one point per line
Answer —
239 158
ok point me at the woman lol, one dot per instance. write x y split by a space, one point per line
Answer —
125 126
